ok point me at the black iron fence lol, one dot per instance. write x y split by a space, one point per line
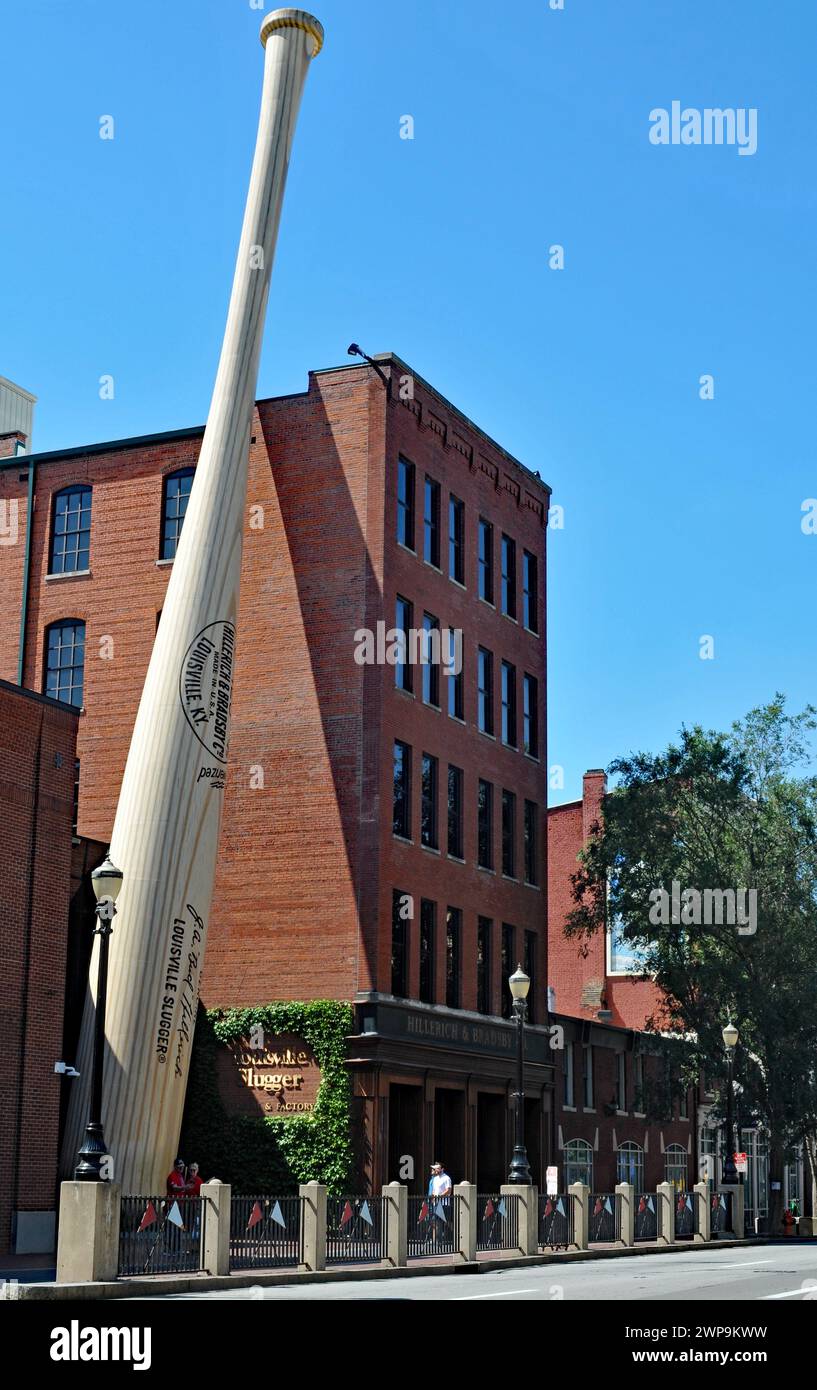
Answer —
556 1221
497 1221
605 1217
433 1226
265 1232
684 1215
160 1235
356 1230
646 1216
720 1213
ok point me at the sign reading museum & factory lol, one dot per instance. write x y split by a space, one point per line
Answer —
281 1077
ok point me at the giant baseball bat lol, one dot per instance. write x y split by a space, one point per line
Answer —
165 834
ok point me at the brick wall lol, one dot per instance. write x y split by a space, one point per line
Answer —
37 739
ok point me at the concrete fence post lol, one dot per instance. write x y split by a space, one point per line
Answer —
313 1217
467 1222
580 1193
703 1212
88 1245
528 1209
665 1202
736 1189
216 1206
625 1192
395 1213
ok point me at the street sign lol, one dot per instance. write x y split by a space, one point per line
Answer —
552 1180
740 1163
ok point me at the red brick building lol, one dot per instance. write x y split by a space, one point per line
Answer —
384 836
42 908
608 1064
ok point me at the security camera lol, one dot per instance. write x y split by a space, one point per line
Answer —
63 1069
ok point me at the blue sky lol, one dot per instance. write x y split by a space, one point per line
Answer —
682 516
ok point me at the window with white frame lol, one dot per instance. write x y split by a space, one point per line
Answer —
675 1166
578 1162
630 1165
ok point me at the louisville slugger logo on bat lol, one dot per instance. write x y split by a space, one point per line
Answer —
205 686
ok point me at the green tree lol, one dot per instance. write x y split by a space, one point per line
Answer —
722 811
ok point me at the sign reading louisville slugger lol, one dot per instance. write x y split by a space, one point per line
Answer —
165 835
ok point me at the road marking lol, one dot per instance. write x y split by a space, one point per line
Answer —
747 1264
792 1293
506 1293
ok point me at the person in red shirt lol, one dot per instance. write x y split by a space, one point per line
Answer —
194 1181
176 1180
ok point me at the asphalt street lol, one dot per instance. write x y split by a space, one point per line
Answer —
787 1273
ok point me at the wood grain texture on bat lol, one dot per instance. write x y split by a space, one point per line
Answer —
166 829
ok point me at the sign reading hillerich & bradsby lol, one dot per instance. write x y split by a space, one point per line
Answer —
280 1078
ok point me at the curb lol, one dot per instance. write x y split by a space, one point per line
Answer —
160 1285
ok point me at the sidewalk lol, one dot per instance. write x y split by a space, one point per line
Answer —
155 1286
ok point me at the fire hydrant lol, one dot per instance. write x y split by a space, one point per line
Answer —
789 1223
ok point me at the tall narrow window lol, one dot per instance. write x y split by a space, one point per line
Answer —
75 808
431 660
456 539
484 965
621 1081
530 715
401 819
530 591
530 971
587 1076
456 701
405 503
485 691
509 704
508 834
428 814
507 966
455 812
453 946
485 825
486 560
531 833
428 932
71 530
639 1094
509 576
175 496
403 622
399 943
431 523
570 1095
65 661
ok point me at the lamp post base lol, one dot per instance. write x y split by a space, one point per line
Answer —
520 1168
91 1156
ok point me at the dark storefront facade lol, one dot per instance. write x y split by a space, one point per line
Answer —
433 1083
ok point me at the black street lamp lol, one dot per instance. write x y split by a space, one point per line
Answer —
519 984
106 881
730 1038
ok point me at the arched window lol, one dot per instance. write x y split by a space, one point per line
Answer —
630 1165
578 1162
71 530
675 1166
175 495
65 661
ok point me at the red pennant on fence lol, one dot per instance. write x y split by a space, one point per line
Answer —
256 1215
148 1218
598 1207
548 1207
489 1209
347 1213
642 1204
681 1203
423 1212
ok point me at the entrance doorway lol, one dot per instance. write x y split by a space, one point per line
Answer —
492 1158
405 1130
449 1132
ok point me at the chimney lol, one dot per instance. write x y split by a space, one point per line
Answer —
16 419
594 786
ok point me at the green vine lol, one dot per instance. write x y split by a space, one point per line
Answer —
271 1153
